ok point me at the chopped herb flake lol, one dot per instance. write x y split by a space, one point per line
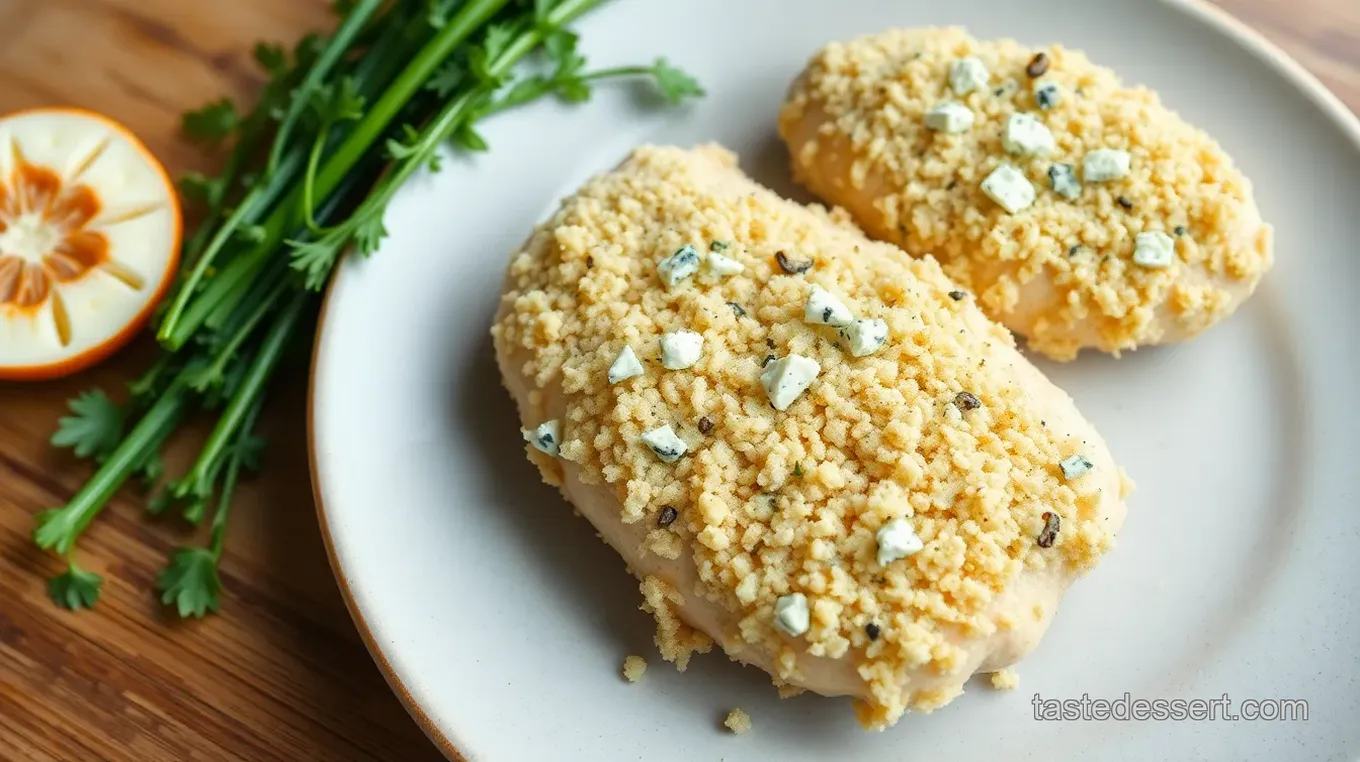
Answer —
667 517
1049 534
1038 66
790 266
737 309
718 246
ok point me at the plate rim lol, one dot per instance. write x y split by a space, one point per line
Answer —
1219 19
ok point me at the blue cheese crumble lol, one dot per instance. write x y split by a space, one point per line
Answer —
1047 94
896 539
678 266
950 117
1009 187
1105 164
681 349
625 366
967 74
786 378
1074 466
1027 136
1154 249
791 614
823 308
723 265
1063 178
865 336
546 438
663 441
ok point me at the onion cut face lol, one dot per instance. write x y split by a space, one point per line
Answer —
89 240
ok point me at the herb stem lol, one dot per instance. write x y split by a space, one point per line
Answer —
338 45
182 323
58 529
219 523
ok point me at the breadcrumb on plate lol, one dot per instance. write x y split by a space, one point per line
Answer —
1005 679
737 721
633 668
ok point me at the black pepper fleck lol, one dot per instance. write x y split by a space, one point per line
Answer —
737 309
872 630
1072 252
790 266
590 262
967 401
667 517
1180 230
768 359
1050 532
1037 65
769 343
705 425
952 185
958 295
1125 202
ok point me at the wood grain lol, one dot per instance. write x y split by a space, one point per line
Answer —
282 674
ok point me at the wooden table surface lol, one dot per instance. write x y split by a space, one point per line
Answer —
281 674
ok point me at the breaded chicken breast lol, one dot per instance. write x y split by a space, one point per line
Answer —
1082 212
811 448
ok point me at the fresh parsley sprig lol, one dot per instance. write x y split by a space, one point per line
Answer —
343 122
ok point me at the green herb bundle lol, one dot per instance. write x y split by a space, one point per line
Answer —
344 121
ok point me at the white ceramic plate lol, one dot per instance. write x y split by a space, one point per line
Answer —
503 621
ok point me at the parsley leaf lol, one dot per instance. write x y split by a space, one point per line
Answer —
561 46
151 470
272 58
190 583
337 102
94 430
498 38
76 589
398 149
446 78
369 234
249 449
56 530
469 139
674 83
198 188
211 124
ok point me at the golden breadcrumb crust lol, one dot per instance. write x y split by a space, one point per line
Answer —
869 97
772 502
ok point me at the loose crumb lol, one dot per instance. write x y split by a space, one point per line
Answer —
738 721
634 667
1005 680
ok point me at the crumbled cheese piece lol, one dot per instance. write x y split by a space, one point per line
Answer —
1047 94
967 74
681 349
723 265
786 378
1063 178
1009 187
1005 679
950 117
665 443
738 721
896 539
865 336
625 366
547 437
823 308
1154 249
791 614
1104 164
1074 466
633 668
678 266
1027 136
